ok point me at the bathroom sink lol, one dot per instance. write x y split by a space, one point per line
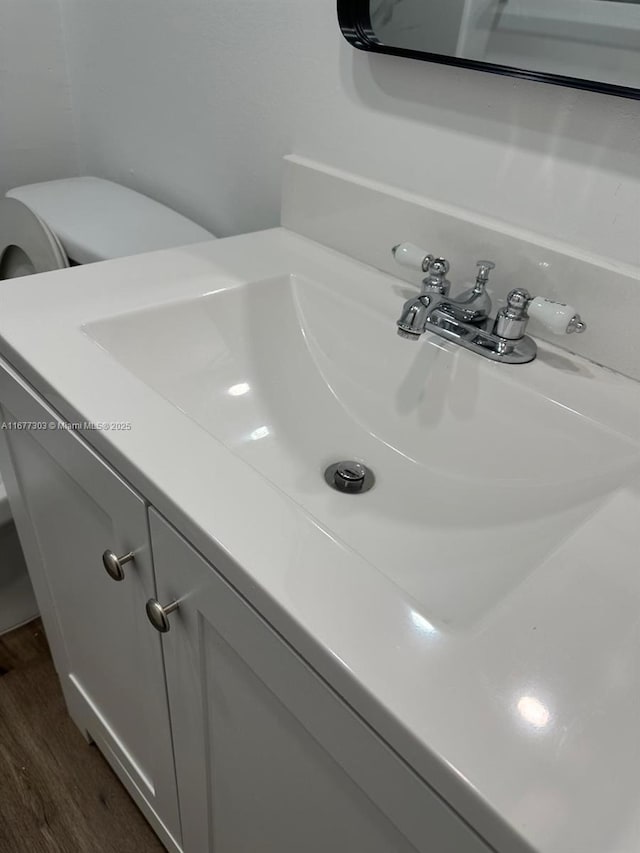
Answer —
479 477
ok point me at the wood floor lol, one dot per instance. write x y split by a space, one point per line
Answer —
57 793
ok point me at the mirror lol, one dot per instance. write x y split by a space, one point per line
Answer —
588 44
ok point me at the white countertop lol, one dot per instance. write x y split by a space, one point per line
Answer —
526 720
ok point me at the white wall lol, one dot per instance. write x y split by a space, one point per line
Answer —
196 101
36 131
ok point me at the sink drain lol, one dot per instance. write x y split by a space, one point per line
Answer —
350 477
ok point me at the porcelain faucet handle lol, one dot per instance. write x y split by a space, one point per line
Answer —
558 317
413 257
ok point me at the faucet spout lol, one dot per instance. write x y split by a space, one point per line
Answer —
415 314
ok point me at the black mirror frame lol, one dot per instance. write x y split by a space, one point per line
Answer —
355 23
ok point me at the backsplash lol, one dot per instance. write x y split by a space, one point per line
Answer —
365 219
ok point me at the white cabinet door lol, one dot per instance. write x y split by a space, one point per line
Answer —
268 758
70 507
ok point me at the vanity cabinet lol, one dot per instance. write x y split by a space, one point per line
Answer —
269 759
251 776
219 714
70 507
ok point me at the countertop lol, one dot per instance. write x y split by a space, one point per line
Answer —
526 720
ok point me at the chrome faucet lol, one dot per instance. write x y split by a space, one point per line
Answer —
466 319
472 306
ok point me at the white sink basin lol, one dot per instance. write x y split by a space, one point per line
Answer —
478 477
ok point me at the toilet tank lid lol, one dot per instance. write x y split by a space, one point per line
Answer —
96 219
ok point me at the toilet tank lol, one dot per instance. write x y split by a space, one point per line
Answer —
96 220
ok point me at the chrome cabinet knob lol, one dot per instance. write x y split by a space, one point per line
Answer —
159 615
113 564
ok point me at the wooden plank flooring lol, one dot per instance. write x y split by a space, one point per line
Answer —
57 793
